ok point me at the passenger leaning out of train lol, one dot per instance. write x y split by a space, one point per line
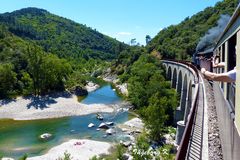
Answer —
229 76
215 63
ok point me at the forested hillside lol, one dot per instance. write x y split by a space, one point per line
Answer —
41 52
180 41
59 35
26 68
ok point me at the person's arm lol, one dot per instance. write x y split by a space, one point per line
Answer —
219 65
223 77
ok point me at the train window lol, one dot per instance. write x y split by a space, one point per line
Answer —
219 54
223 52
223 60
231 53
231 64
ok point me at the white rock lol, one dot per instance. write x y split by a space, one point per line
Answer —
124 129
103 125
110 123
99 116
126 144
91 125
127 156
46 136
110 131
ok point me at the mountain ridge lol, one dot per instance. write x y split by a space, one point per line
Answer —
60 35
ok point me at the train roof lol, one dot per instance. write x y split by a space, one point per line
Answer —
232 27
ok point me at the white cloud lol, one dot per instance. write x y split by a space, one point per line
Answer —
124 34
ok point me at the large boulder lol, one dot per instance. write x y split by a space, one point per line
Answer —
103 126
79 91
91 125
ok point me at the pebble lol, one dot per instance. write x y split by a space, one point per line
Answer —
214 142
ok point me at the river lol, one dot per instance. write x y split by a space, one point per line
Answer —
20 137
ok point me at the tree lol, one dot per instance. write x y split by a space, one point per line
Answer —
55 71
47 71
35 61
148 39
7 79
26 82
151 94
133 42
140 151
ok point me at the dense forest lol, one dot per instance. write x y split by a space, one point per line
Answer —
59 35
44 52
180 41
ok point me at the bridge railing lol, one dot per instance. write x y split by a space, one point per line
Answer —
183 147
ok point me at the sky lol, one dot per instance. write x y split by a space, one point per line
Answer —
120 19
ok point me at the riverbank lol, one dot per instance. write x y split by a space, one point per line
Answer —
51 106
83 149
112 78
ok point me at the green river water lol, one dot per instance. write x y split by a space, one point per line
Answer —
20 137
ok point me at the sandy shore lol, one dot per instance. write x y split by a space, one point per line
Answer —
133 125
60 105
78 149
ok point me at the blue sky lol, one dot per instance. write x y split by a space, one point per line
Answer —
120 19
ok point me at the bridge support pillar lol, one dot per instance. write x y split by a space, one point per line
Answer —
187 110
178 115
180 130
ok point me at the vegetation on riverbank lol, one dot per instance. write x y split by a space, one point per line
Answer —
41 53
148 89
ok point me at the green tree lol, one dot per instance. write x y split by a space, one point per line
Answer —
7 79
155 115
140 151
47 71
27 83
35 61
148 39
